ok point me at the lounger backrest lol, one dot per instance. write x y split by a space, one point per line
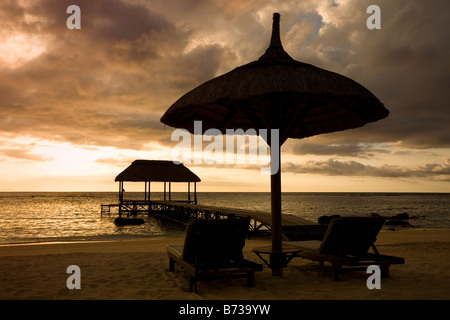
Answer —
351 235
215 241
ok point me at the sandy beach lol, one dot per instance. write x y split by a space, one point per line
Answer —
139 270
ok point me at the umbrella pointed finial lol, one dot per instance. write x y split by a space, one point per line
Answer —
275 40
275 52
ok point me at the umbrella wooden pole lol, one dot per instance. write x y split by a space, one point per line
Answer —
275 186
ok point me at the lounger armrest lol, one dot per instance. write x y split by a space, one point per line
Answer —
175 254
175 250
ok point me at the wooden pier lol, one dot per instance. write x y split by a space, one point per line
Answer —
147 171
293 227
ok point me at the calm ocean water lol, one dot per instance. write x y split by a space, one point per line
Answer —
66 216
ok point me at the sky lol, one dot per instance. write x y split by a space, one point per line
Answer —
77 106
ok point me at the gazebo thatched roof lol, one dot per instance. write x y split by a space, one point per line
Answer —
157 170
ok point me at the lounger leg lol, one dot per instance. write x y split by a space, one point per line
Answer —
171 265
337 268
385 270
192 284
250 279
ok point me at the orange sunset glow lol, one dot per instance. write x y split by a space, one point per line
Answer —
78 106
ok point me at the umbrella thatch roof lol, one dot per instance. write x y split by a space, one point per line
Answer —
308 100
277 92
157 170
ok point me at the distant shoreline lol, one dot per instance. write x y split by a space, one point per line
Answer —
262 192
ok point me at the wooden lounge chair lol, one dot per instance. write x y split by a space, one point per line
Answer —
213 249
347 242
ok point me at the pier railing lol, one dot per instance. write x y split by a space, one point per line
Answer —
135 207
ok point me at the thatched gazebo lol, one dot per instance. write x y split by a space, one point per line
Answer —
148 171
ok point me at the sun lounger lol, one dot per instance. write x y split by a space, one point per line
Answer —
347 242
212 250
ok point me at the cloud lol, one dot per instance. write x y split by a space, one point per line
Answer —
351 150
332 167
405 64
25 155
109 83
116 162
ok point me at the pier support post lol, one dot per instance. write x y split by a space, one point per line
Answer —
164 191
120 198
195 192
189 192
145 190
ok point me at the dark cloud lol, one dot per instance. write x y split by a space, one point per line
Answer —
333 167
94 85
406 65
200 65
350 150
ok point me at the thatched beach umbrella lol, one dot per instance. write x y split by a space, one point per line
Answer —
277 92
